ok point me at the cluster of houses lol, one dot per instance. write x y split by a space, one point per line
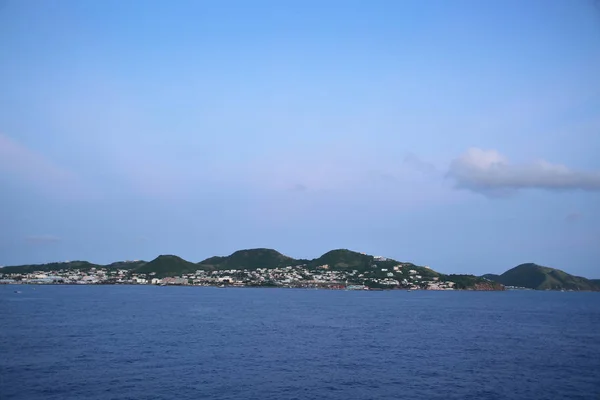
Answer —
72 276
399 276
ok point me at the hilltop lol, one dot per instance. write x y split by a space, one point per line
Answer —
533 276
167 265
344 259
250 259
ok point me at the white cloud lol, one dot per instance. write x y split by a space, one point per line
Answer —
491 173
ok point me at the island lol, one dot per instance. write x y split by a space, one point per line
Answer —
336 269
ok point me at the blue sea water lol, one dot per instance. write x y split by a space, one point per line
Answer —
146 342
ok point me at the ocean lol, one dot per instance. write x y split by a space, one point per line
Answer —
149 342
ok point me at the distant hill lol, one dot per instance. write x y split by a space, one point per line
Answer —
342 259
67 265
472 282
70 265
125 265
167 265
491 277
533 276
250 259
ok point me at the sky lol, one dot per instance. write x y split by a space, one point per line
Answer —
461 135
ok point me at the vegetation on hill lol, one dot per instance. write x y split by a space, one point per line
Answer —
167 265
250 259
472 282
211 262
537 277
68 265
342 259
491 277
125 265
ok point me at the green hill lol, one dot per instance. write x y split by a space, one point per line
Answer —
250 259
537 277
125 265
491 277
472 282
342 259
167 265
69 265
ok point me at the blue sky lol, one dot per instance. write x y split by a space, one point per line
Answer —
462 135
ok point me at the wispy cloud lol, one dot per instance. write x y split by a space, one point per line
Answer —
573 217
378 176
491 173
414 162
42 239
18 161
299 187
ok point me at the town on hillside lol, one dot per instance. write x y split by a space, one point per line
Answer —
322 277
